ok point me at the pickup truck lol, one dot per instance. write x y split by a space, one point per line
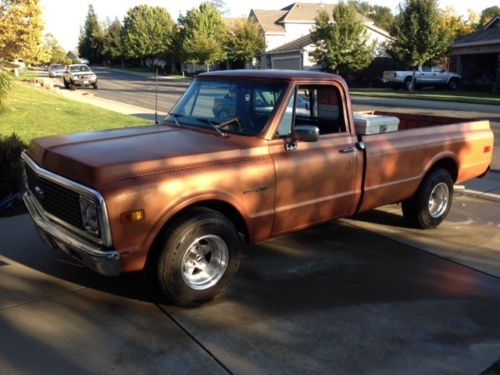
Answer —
425 76
176 199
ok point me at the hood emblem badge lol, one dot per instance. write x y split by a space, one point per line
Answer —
39 192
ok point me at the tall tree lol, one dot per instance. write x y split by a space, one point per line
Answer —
112 46
420 35
487 15
90 40
203 32
245 41
21 30
147 31
342 46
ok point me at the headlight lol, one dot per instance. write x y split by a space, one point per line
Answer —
90 218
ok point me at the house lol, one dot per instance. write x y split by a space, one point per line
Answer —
288 34
477 56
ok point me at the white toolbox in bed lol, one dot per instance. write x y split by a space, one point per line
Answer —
366 123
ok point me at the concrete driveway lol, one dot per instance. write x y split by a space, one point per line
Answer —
333 299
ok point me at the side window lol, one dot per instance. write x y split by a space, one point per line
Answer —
320 106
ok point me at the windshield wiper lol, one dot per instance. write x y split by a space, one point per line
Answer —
232 119
212 124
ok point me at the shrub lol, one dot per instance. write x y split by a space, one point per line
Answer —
5 86
10 164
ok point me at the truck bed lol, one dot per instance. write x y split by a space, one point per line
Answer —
396 162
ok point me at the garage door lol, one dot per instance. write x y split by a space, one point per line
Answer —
289 63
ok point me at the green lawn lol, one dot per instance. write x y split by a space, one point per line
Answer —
33 112
436 95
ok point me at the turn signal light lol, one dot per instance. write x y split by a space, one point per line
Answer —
132 216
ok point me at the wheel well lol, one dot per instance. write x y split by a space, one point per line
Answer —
224 208
449 165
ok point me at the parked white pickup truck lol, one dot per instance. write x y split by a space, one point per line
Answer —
425 76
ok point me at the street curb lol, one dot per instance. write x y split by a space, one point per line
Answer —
492 197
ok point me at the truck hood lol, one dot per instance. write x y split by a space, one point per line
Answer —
97 158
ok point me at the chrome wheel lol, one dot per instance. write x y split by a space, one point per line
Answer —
205 262
438 200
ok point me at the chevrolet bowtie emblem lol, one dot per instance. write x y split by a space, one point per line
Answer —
39 192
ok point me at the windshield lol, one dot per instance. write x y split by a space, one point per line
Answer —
79 68
228 107
57 66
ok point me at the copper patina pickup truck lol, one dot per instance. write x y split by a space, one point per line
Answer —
243 155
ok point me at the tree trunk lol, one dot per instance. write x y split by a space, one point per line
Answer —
413 82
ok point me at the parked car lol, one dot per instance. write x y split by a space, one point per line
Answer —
79 75
175 199
56 70
434 76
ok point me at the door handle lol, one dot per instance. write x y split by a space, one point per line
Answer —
348 150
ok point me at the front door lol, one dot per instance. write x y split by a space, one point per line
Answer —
315 181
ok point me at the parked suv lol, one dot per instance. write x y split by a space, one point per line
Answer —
79 75
56 70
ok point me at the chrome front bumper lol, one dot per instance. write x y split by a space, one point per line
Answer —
104 262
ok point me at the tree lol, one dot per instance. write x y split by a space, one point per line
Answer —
420 35
487 15
341 46
20 30
245 42
90 42
380 15
55 53
203 31
112 46
147 31
455 24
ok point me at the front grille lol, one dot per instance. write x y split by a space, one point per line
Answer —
57 200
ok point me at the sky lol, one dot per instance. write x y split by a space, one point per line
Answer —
63 18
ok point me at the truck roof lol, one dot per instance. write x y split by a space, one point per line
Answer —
271 74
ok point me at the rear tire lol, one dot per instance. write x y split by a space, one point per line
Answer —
198 257
432 201
66 84
407 83
453 84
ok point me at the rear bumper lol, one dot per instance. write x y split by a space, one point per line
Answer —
105 262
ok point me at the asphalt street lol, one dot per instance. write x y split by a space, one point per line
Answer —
365 295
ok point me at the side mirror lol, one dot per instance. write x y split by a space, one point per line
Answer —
307 133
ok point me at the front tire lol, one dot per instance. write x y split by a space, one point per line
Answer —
198 258
432 201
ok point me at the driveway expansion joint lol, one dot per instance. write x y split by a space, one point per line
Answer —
192 337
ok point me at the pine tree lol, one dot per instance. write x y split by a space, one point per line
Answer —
341 47
90 41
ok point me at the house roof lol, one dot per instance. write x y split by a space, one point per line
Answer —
306 12
294 45
273 21
269 20
490 34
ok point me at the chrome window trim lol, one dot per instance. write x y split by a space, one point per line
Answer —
85 191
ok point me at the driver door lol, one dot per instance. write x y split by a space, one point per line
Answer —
315 181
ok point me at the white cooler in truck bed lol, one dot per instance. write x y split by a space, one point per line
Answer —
366 123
